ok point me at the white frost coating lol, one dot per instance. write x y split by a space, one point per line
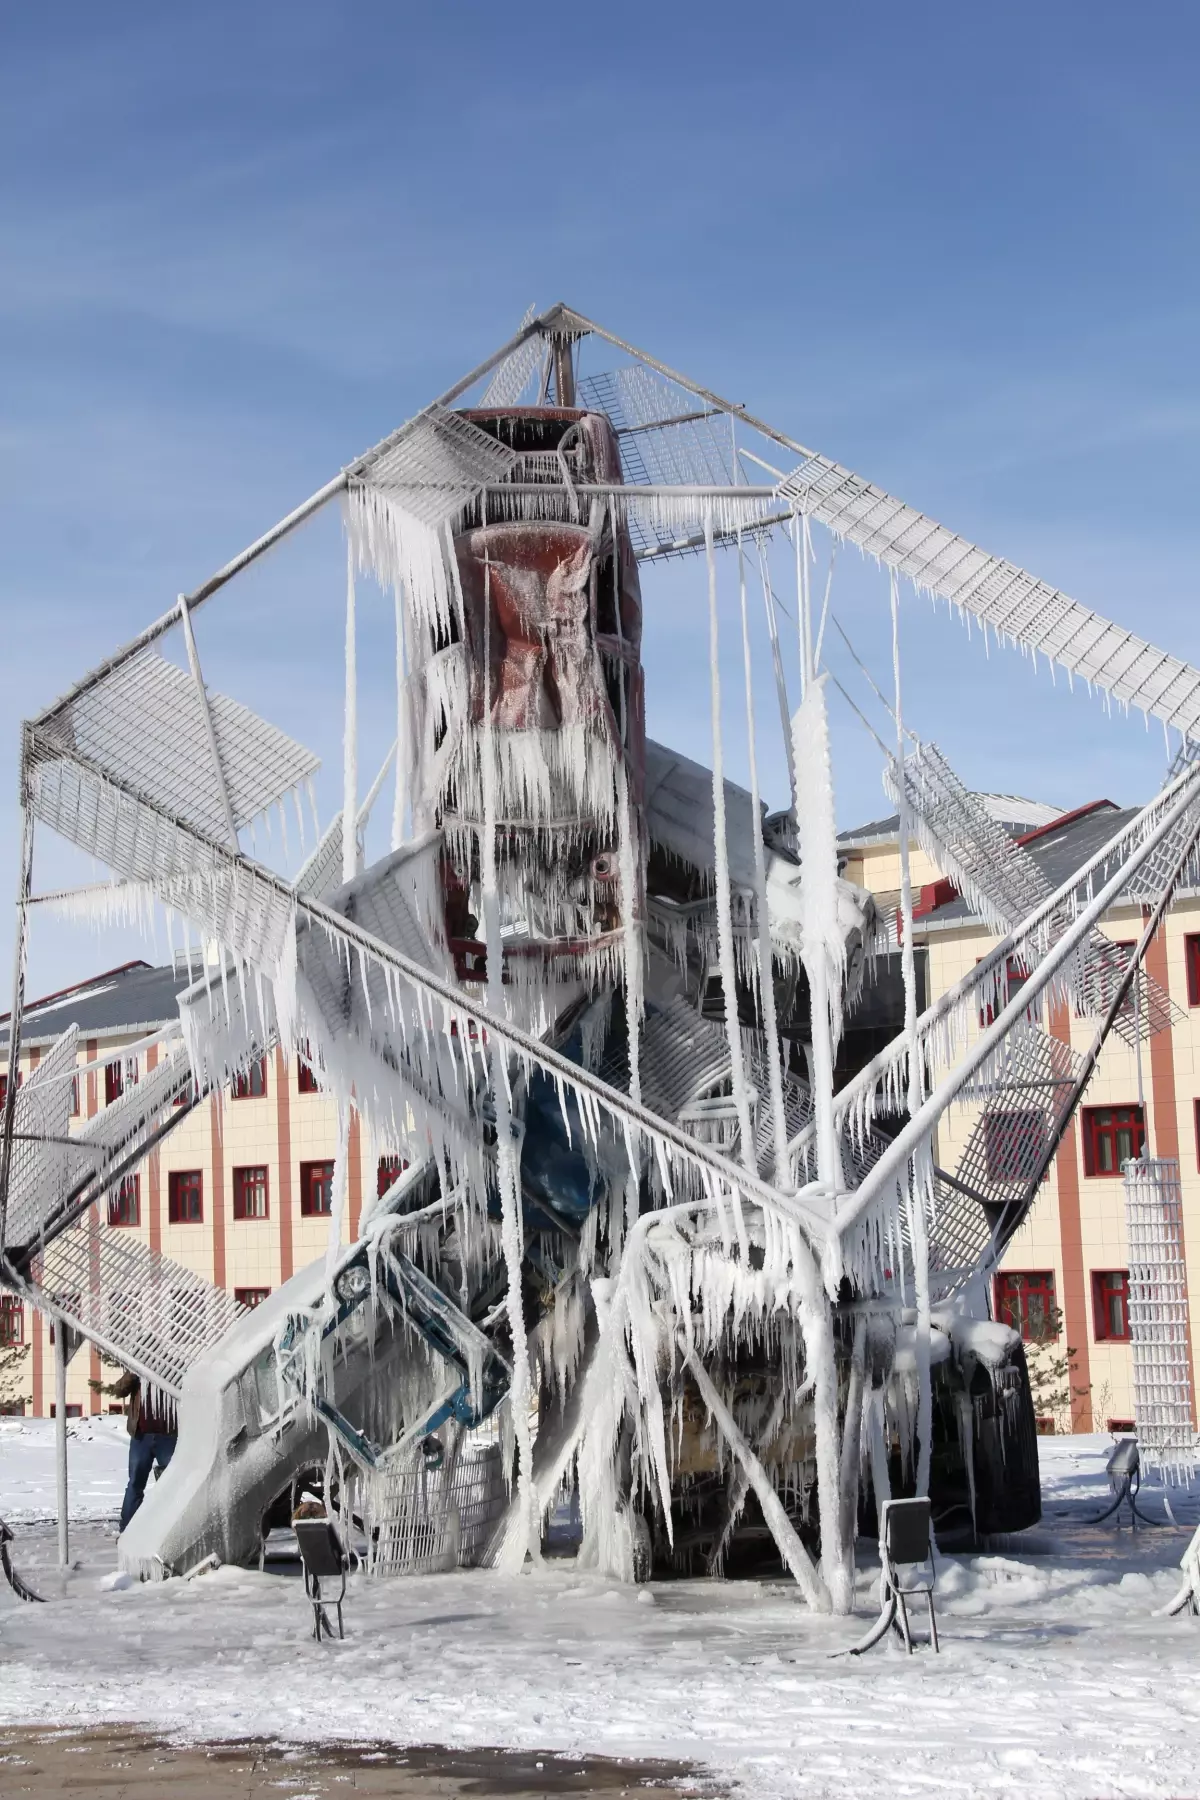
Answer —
916 1198
721 871
350 732
341 1183
766 981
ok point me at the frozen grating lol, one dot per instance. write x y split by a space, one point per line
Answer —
153 1315
323 870
1004 884
1158 1318
144 726
513 378
439 463
44 1169
1014 603
424 1519
225 897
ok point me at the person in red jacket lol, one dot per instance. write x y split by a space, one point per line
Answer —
152 1434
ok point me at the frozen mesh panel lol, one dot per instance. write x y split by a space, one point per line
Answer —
154 1315
44 1169
323 870
143 726
435 465
1005 885
224 897
1014 603
385 902
134 1114
515 377
1158 1318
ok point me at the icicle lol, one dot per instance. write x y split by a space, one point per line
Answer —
920 1240
350 732
766 979
721 844
631 929
339 1209
823 944
402 729
526 1539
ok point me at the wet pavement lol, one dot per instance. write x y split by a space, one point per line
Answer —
114 1763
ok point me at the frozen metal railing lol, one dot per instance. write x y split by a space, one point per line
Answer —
1158 1318
1016 605
136 1305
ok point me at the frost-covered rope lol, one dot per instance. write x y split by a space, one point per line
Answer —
725 949
917 1189
526 1539
400 802
766 981
350 732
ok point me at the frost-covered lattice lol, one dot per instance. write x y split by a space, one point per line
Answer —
45 1167
149 1313
143 726
1158 1317
435 465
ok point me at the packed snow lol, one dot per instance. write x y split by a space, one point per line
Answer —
1055 1676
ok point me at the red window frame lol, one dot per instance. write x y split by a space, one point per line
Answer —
316 1190
1191 956
251 1083
1110 1305
1103 1129
386 1173
252 1192
1026 1300
185 1197
4 1085
74 1410
251 1297
12 1320
74 1096
125 1205
306 1075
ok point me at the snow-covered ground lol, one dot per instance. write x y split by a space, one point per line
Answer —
1055 1678
97 1459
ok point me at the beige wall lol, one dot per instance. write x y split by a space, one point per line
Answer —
280 1130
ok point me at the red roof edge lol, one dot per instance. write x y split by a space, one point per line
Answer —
139 962
1067 818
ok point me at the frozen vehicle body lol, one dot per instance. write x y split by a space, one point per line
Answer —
672 1122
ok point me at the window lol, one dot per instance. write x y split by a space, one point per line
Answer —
1015 977
185 1096
12 1409
1026 1302
4 1085
1112 1135
1121 1427
1110 1303
1014 1143
251 1083
1102 976
74 1410
1191 951
250 1193
306 1075
125 1205
316 1188
185 1197
250 1297
74 1096
118 1076
12 1320
389 1168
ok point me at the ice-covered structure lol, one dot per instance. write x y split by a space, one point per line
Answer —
665 1236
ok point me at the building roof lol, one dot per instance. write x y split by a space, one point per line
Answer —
1058 850
1012 811
133 998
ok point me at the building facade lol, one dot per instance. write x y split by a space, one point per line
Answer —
240 1192
1064 1278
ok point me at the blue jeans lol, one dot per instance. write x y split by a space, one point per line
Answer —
144 1452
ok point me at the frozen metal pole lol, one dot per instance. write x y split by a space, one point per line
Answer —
60 1437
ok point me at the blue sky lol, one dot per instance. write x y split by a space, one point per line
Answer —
954 247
